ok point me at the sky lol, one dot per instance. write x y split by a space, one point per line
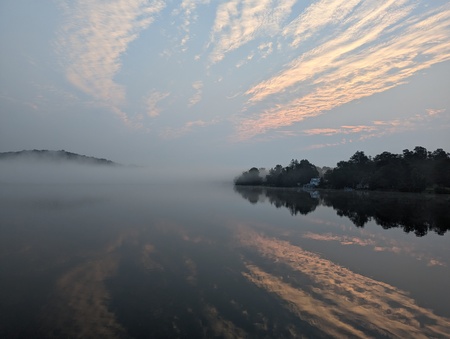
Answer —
224 85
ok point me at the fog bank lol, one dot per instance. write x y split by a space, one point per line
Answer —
31 171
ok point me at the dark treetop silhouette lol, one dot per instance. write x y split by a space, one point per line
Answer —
411 171
54 156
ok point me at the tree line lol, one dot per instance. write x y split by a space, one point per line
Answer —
54 156
297 173
411 171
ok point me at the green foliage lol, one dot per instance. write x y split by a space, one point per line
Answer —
297 173
411 171
251 177
351 174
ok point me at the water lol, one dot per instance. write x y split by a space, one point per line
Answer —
201 261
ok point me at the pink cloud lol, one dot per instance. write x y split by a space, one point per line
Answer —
365 58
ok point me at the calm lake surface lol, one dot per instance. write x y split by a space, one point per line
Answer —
202 261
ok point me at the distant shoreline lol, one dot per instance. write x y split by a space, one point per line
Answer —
292 188
55 156
415 171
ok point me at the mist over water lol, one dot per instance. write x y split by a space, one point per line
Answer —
92 251
37 171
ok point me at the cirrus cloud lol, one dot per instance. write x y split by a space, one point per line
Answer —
152 102
97 33
239 22
374 49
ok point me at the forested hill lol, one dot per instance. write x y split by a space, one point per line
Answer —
412 171
55 156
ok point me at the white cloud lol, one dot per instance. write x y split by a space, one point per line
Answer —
173 133
377 48
97 33
317 16
246 60
195 99
433 111
152 101
238 22
265 49
377 128
187 10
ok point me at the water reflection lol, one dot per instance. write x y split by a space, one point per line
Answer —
411 212
338 301
296 201
191 263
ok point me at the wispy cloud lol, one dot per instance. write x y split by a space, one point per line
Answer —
342 130
97 33
418 121
318 146
152 101
317 16
238 22
265 49
434 111
341 52
377 128
173 133
244 61
187 10
195 99
374 49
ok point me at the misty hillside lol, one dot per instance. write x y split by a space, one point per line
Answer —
54 156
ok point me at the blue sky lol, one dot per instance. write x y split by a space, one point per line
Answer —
224 85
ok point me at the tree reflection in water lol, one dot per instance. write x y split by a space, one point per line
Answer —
412 212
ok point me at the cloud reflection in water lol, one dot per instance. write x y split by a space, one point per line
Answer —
340 302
